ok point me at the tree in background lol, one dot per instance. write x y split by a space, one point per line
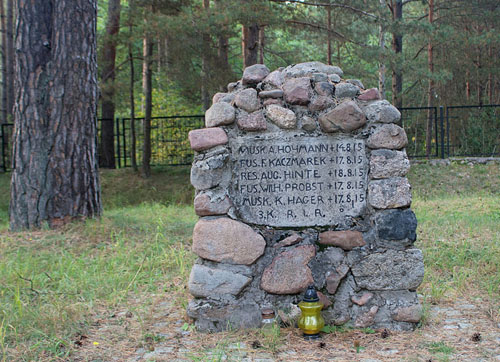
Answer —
107 63
54 177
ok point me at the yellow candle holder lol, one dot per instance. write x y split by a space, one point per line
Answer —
311 322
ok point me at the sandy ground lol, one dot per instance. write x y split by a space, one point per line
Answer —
454 331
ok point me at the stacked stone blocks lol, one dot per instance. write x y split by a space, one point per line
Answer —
261 243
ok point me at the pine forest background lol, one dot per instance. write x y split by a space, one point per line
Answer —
168 57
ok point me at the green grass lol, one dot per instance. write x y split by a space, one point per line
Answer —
53 283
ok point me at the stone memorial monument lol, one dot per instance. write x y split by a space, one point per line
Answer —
300 180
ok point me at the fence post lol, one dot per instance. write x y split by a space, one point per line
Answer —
117 121
441 124
3 149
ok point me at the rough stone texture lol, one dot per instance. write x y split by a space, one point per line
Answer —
324 300
347 117
282 117
254 121
334 277
232 86
356 82
254 74
324 89
366 319
320 103
219 114
297 90
290 240
270 101
411 314
205 138
204 205
345 239
346 90
388 136
213 317
388 163
274 93
389 193
288 272
391 270
319 77
371 94
363 299
334 78
323 264
210 172
382 111
339 313
275 79
228 241
222 97
396 224
308 124
207 282
308 68
247 100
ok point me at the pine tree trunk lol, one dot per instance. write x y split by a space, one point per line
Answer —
133 140
107 154
397 47
381 67
3 50
148 102
329 34
205 69
55 176
262 41
430 90
10 54
250 44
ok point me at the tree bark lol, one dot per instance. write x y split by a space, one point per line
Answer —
205 61
397 47
133 140
107 154
3 50
250 44
430 90
148 102
54 177
381 67
10 54
262 41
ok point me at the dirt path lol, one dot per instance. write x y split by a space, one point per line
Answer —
455 331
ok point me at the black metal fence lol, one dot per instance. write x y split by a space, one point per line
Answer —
455 130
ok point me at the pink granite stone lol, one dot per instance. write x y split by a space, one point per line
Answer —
205 138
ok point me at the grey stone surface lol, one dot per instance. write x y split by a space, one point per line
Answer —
334 276
319 77
324 262
389 193
290 240
288 273
367 318
208 282
216 317
282 117
396 224
223 97
274 93
227 240
346 90
382 111
346 117
298 181
308 68
356 82
388 136
247 100
209 203
339 313
388 163
324 88
308 124
275 79
297 90
411 314
219 114
254 74
391 270
334 78
211 172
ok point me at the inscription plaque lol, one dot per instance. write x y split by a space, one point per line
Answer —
299 181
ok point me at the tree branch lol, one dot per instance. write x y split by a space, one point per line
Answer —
333 5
